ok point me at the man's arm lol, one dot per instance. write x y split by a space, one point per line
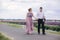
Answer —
44 18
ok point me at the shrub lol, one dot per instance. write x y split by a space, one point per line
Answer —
57 29
54 28
46 27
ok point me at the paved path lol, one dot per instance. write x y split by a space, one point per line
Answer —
19 34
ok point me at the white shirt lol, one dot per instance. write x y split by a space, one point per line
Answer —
40 15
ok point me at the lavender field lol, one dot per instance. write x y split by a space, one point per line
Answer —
53 22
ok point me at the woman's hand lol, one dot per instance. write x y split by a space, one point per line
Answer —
36 18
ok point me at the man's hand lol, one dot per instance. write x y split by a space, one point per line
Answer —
44 20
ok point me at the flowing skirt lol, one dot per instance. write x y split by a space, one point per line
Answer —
29 25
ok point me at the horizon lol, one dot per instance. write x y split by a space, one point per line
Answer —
24 19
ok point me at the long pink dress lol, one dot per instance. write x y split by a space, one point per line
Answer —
29 23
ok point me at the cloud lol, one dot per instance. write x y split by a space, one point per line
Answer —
18 8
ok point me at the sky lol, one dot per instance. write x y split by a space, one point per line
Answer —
17 9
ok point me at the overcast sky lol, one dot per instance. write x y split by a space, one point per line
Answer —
17 9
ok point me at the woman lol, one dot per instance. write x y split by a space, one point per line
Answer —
29 23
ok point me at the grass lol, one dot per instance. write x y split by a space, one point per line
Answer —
1 22
53 32
4 37
11 24
15 25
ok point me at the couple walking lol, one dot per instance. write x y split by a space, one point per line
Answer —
29 23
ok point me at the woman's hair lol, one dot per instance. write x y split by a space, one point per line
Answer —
40 7
29 9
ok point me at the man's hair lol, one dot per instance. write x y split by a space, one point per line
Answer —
40 7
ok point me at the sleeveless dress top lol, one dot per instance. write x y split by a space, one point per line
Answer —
29 15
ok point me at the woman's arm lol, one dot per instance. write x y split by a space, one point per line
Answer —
34 17
26 17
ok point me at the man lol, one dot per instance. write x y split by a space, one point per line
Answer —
41 20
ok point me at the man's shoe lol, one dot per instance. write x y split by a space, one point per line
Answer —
38 33
44 34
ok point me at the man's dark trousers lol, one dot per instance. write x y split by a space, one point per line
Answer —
40 21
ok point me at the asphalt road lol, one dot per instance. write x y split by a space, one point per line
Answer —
19 34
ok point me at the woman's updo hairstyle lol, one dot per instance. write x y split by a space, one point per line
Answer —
29 9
